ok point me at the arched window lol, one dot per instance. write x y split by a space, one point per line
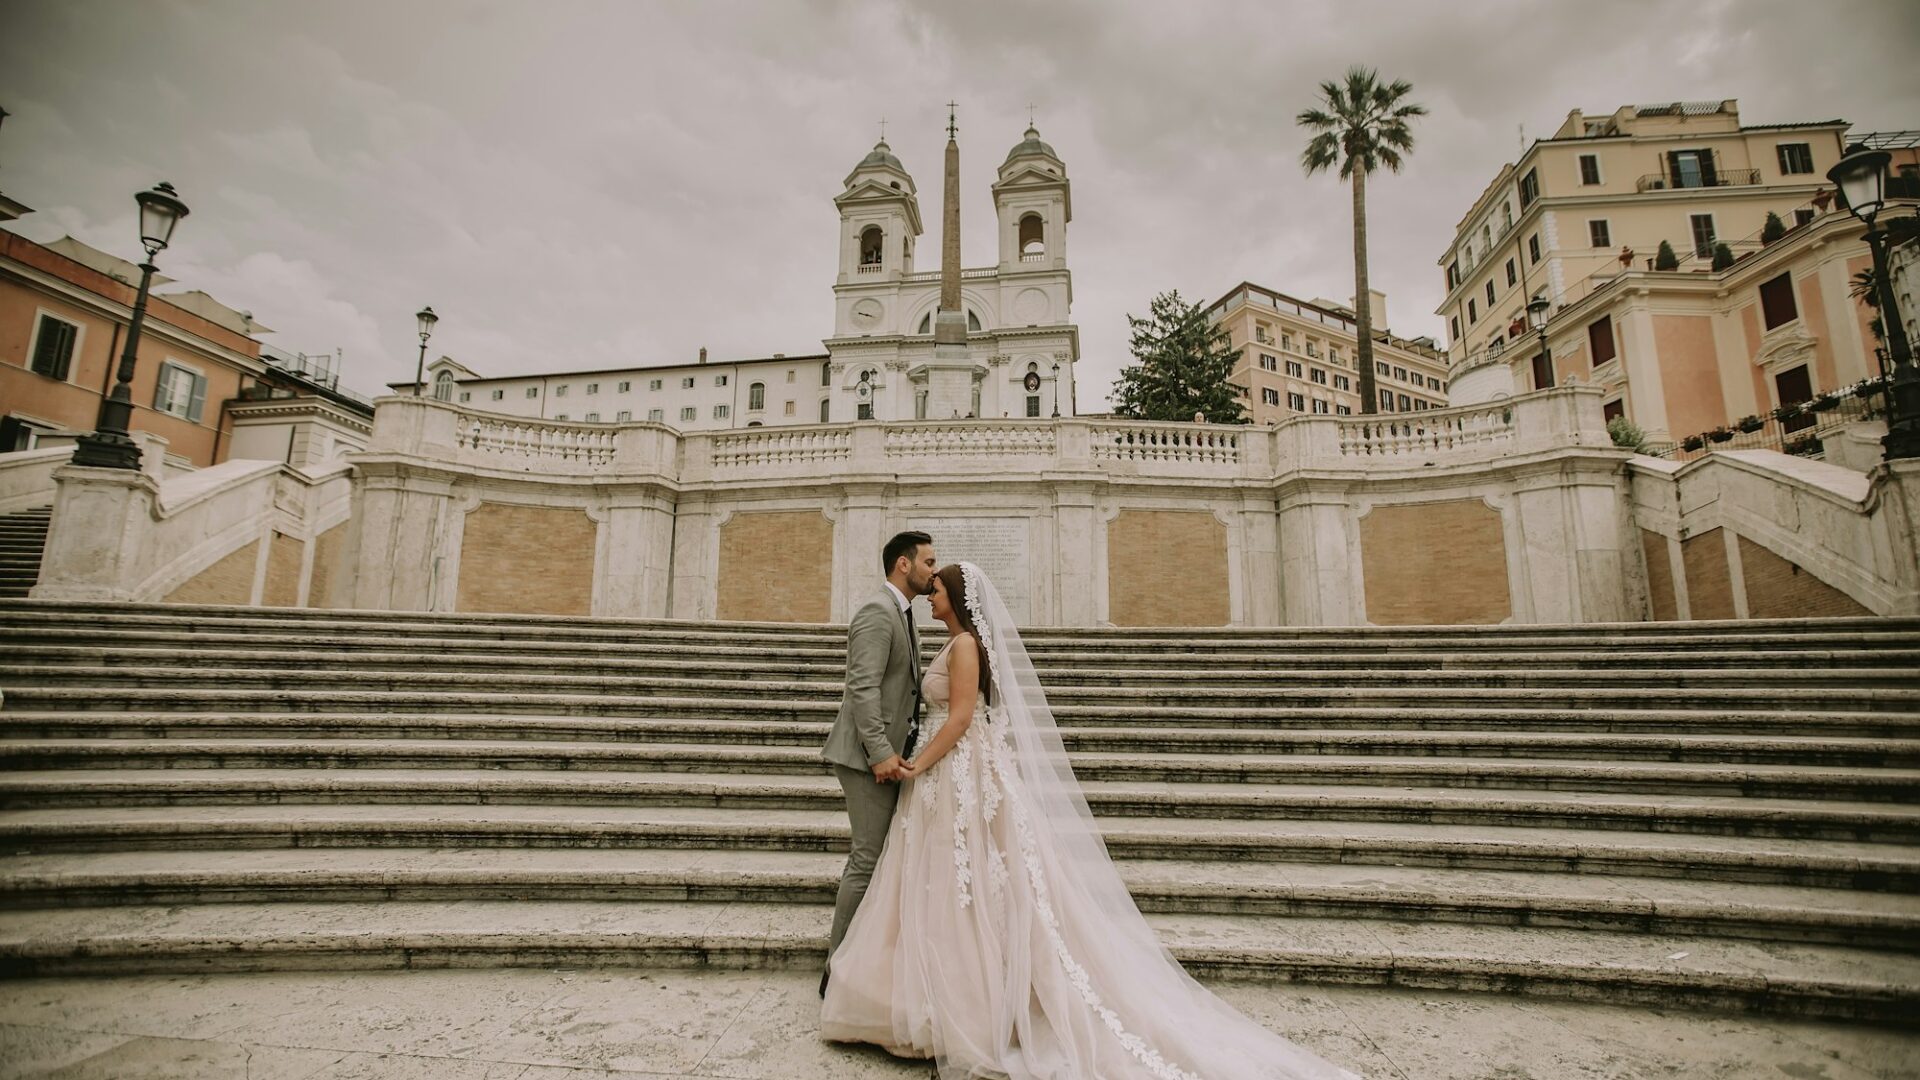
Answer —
871 242
826 374
825 405
1033 240
756 397
926 324
973 321
443 386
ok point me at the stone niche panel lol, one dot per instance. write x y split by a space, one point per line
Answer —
1167 568
229 581
284 554
1659 576
776 566
527 560
327 549
1709 578
1435 564
1778 589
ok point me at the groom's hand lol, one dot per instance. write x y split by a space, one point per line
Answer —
889 769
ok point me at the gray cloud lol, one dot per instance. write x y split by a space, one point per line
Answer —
596 184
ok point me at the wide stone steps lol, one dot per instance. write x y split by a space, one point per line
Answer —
1311 890
23 540
1515 738
1234 771
1655 970
1855 846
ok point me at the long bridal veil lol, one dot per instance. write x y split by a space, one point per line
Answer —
1083 919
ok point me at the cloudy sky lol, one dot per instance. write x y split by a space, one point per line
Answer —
580 185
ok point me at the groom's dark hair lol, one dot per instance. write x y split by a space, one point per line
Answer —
902 544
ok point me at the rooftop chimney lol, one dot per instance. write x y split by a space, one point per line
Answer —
703 354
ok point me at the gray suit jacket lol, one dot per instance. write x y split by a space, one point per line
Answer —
883 673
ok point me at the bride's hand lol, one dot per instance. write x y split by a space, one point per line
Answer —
910 770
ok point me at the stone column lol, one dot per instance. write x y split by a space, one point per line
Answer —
399 555
634 560
1319 556
96 545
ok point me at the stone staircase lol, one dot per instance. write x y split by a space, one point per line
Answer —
1694 815
23 536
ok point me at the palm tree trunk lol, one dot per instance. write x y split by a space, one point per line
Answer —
1362 305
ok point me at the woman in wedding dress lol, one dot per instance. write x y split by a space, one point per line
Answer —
997 937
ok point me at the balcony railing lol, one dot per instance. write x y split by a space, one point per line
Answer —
1663 181
1033 256
869 268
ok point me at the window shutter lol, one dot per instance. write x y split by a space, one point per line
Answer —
1600 338
1776 301
1707 175
199 399
1673 168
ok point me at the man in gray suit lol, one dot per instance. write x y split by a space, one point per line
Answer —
879 715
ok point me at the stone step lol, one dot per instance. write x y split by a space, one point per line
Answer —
1581 838
1508 739
1654 971
181 691
1295 890
807 723
53 757
400 654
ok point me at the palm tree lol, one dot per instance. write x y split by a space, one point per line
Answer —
1361 126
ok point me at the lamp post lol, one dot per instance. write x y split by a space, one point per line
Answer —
426 318
1056 390
1537 309
109 446
1861 177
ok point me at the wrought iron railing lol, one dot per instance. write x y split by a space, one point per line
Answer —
1799 429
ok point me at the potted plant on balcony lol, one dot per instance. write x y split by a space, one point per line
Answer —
1665 259
1693 442
1824 401
1773 230
1750 424
1803 446
1722 256
1720 434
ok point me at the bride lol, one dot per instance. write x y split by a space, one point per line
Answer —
997 937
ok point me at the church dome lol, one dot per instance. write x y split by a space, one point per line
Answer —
1032 145
882 155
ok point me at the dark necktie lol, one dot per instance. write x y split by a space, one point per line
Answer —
913 643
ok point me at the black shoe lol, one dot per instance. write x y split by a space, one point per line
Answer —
824 976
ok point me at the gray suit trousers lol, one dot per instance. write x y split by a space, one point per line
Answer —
870 813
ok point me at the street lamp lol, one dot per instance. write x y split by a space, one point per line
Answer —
1056 390
109 446
1861 177
426 319
1537 309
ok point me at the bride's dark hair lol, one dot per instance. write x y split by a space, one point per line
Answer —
955 580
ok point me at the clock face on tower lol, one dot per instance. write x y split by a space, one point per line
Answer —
866 313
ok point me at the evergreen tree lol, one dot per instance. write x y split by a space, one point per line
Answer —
1184 361
1665 259
1773 230
1722 257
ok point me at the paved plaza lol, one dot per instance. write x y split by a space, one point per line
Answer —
604 1025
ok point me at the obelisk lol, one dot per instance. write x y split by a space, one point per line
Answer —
950 376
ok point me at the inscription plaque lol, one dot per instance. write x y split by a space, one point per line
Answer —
997 545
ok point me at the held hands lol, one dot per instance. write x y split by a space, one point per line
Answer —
894 768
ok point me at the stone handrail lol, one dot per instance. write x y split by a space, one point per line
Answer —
971 438
1428 433
541 440
26 477
780 447
1185 444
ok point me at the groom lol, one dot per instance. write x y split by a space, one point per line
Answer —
879 715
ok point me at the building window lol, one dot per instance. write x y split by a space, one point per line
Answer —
1600 340
1542 371
593 388
53 347
181 391
1400 373
1269 396
1286 341
1529 188
756 397
1589 169
1776 301
719 380
1453 275
1702 234
1342 410
443 386
826 374
1414 378
1319 375
1269 362
559 416
623 416
1386 400
1489 294
593 418
1296 402
686 383
1381 367
689 413
656 415
1795 387
465 397
721 412
866 411
1513 273
654 384
533 391
624 386
1612 409
1473 316
1453 323
1341 382
1691 169
790 374
1802 216
789 411
825 406
498 394
1033 405
1795 158
1533 249
1319 406
1419 405
560 391
1599 234
1294 369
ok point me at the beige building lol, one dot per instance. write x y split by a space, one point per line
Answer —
1601 193
1299 356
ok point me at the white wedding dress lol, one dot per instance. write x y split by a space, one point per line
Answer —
997 937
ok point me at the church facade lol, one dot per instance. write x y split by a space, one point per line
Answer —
1015 342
